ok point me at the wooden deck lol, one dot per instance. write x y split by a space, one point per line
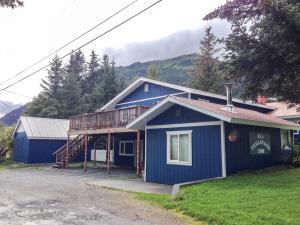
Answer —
113 121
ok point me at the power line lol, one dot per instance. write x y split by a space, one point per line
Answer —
87 43
15 93
70 42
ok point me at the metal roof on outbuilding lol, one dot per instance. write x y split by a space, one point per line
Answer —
43 128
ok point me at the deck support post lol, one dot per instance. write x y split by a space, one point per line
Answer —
95 154
138 153
108 152
67 158
85 151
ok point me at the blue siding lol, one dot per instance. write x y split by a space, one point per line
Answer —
154 91
20 152
206 148
40 150
238 157
149 102
223 102
185 115
206 156
121 160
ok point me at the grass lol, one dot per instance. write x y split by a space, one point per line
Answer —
265 197
9 164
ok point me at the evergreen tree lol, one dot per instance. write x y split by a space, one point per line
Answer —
77 65
110 86
153 72
71 92
11 3
205 74
94 74
54 79
263 50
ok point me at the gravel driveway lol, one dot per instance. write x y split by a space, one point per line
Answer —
40 196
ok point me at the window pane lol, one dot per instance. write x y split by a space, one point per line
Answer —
122 148
184 148
129 148
174 147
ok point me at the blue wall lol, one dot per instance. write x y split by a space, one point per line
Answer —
154 91
20 152
158 90
121 160
41 150
206 156
180 114
206 148
238 157
34 150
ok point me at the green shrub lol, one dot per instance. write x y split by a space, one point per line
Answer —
295 156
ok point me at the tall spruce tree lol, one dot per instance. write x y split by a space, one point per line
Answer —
53 82
263 50
71 92
205 74
93 75
77 65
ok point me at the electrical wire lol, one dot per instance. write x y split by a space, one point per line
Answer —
87 43
70 42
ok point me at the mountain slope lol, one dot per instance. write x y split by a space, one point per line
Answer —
174 70
12 117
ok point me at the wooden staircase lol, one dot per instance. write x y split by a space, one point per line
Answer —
65 155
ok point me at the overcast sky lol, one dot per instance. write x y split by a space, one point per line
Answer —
31 32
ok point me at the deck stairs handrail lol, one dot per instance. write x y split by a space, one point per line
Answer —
69 151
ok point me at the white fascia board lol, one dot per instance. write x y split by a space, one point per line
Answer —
46 138
195 91
142 80
264 124
123 94
139 123
180 125
16 128
201 110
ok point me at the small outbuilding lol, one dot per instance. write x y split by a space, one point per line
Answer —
36 139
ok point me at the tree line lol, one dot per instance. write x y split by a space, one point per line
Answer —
79 86
261 54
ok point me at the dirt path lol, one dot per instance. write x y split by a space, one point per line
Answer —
41 197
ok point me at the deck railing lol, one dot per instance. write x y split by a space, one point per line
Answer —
107 119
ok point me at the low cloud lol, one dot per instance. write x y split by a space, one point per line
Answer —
180 43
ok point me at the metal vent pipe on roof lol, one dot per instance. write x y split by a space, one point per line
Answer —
229 105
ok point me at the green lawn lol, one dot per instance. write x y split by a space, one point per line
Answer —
270 196
9 164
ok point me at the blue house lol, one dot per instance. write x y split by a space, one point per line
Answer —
36 139
173 134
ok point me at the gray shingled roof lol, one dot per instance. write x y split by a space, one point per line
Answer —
43 128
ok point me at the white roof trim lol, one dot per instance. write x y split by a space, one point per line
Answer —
142 80
43 128
141 121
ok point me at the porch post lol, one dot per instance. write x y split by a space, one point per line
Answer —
94 154
85 150
67 158
108 152
138 149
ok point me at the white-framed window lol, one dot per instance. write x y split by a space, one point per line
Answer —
126 148
296 131
286 140
179 147
146 87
